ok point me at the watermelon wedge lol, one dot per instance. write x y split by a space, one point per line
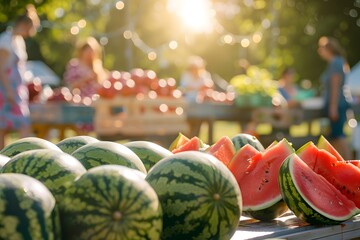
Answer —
194 144
258 181
355 162
180 140
310 196
323 143
223 149
344 175
241 158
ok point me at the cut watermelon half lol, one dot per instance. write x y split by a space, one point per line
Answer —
310 196
258 181
223 149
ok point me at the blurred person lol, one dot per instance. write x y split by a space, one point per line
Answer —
287 88
333 79
196 79
14 109
85 71
194 82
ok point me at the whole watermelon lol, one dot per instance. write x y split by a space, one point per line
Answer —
106 152
200 197
70 144
111 202
28 143
27 209
149 152
3 160
242 139
56 170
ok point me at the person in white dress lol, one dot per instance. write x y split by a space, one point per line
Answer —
14 109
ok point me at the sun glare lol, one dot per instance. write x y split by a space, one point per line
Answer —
196 15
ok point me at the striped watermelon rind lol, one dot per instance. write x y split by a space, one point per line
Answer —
199 195
149 153
106 152
70 144
56 170
111 202
28 143
242 139
298 203
268 213
27 209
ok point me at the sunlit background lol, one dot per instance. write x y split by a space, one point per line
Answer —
162 34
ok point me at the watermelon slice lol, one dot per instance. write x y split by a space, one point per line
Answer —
323 143
223 149
308 152
310 196
241 158
258 181
355 162
194 144
344 175
180 140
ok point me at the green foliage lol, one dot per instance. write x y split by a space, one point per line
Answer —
289 31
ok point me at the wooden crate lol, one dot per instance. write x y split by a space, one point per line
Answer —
131 116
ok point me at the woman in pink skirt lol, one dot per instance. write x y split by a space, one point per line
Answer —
14 110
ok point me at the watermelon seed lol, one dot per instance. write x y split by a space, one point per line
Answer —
117 216
216 197
340 203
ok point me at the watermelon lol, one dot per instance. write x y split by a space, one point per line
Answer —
70 144
258 181
3 160
323 143
27 209
342 174
106 152
223 150
180 140
199 196
111 202
242 156
355 162
28 143
310 196
308 152
242 139
149 153
56 170
193 144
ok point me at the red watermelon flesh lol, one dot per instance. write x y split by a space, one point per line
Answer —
192 145
323 143
356 163
259 180
308 153
223 149
242 158
342 174
318 192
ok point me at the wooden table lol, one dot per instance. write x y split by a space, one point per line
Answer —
59 116
291 228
